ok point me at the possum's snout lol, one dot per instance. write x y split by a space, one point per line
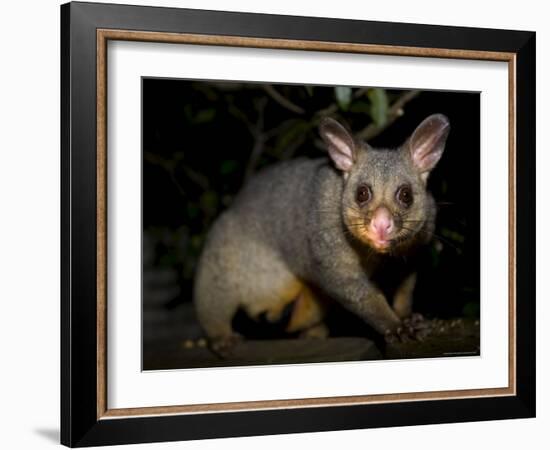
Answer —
380 228
381 224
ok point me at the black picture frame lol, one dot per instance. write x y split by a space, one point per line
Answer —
81 425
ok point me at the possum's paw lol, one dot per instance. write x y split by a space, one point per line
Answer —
413 328
223 346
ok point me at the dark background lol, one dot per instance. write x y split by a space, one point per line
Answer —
203 140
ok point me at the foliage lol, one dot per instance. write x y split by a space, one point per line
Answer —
203 140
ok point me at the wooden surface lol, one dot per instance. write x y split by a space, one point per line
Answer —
173 339
170 355
449 338
458 337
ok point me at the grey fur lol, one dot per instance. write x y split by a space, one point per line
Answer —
294 220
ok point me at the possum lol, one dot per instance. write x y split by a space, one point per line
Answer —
305 230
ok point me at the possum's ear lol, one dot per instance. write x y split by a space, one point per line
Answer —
427 143
339 142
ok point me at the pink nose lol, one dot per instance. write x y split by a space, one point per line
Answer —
382 223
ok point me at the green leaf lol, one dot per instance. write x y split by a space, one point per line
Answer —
309 90
209 202
192 210
379 106
434 256
202 116
444 187
228 166
292 132
360 107
205 115
453 235
343 97
179 156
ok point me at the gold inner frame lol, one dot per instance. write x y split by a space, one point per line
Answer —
103 36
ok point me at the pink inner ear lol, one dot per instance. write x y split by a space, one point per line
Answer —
341 160
426 161
340 152
428 141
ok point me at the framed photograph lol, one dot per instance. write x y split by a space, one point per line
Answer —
278 224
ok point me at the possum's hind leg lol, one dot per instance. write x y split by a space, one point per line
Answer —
308 313
237 271
403 298
215 292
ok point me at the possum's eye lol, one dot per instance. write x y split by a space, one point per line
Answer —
404 195
363 194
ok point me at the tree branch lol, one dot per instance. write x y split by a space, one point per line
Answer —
170 167
333 107
259 140
283 101
395 111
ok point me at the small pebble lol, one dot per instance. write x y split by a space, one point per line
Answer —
188 343
421 335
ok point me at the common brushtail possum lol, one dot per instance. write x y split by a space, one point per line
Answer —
305 230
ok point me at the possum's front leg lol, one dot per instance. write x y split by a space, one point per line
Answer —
366 301
338 271
343 279
371 305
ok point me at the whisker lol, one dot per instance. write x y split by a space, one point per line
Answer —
445 203
436 236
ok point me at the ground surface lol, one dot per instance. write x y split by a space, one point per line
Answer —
172 338
179 344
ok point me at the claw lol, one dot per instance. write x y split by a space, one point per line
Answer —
422 335
390 337
223 346
417 318
413 328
